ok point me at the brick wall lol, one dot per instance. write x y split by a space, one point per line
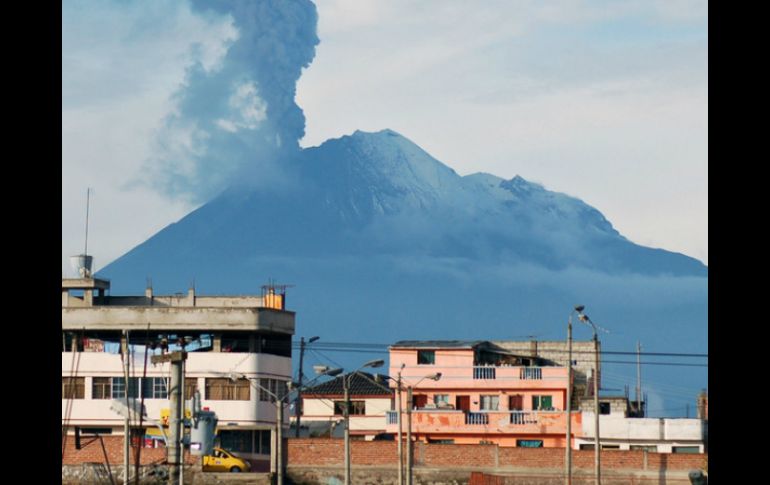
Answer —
329 452
91 452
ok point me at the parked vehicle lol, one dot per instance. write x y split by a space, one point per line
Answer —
224 461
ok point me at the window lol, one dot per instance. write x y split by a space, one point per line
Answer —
95 431
604 408
426 357
275 387
650 448
610 447
490 403
224 389
542 402
190 386
155 388
529 443
685 449
357 408
101 388
441 400
247 441
587 446
119 387
73 387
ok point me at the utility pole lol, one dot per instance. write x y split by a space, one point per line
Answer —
639 380
298 405
597 455
176 419
409 435
400 433
126 425
568 442
279 439
346 415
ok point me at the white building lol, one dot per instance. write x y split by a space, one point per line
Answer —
323 406
619 431
223 335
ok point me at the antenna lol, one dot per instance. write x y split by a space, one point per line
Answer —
88 204
82 263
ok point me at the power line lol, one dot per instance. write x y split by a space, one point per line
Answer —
380 346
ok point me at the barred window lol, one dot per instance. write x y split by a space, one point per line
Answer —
73 387
224 389
101 388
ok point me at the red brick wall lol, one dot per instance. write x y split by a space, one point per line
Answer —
456 455
329 452
91 452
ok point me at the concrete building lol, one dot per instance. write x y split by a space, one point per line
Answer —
323 405
223 335
507 393
620 430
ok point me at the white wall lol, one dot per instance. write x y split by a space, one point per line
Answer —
199 365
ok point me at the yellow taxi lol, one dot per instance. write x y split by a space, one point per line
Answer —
224 461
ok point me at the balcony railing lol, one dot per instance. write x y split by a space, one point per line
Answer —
530 373
523 417
483 372
476 418
490 372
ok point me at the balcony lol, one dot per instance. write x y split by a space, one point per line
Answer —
485 372
494 422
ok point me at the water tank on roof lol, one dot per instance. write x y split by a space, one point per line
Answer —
82 264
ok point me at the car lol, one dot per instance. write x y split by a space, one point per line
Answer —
224 461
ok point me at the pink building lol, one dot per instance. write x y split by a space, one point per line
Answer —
508 393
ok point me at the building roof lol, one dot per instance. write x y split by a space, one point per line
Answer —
439 344
361 384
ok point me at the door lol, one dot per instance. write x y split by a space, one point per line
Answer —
516 403
419 400
463 403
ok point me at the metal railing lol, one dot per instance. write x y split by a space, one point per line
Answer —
531 373
523 417
483 372
476 418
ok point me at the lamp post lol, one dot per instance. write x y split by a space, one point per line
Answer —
400 429
297 413
597 447
434 377
346 412
279 403
568 446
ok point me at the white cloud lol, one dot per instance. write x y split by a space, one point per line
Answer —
120 64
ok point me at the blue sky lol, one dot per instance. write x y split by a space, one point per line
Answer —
606 101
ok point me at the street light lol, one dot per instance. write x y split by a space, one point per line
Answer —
346 412
399 388
279 403
597 447
433 377
568 451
